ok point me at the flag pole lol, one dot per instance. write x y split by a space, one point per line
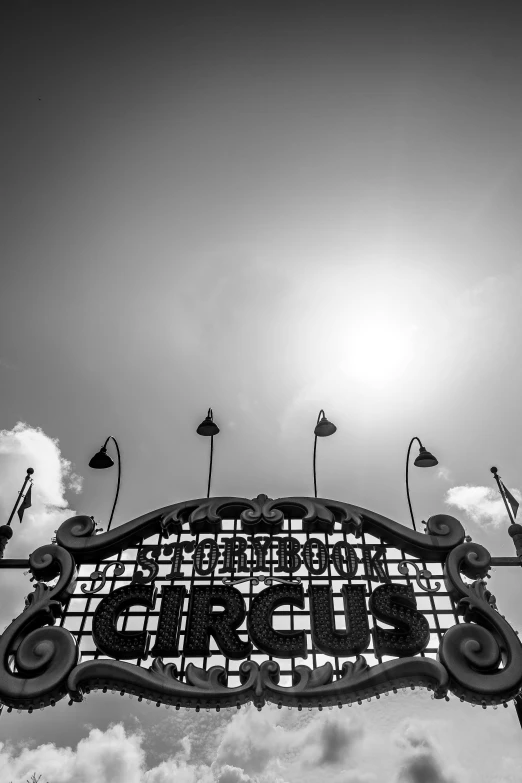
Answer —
6 532
501 490
30 472
28 478
514 532
514 529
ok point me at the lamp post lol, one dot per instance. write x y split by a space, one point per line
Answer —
100 461
208 428
424 460
323 429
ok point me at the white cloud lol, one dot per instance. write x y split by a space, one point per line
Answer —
482 504
250 742
111 756
229 774
21 448
297 747
329 740
179 771
268 747
422 760
443 473
423 767
74 482
508 771
254 748
106 757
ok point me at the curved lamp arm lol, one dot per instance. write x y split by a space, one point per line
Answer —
321 412
111 437
208 428
210 413
407 482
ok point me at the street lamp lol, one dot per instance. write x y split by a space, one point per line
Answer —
208 429
100 461
323 429
424 460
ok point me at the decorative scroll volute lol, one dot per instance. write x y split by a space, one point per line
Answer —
206 516
262 517
473 651
314 514
43 655
259 683
72 533
259 515
78 535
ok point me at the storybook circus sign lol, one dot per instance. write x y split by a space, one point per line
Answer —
260 585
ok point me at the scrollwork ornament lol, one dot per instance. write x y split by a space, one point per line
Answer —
259 515
263 516
316 687
269 580
231 581
119 569
43 655
473 651
258 683
161 682
420 573
204 516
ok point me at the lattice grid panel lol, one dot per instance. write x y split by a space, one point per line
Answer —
438 607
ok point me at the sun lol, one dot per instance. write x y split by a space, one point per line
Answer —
377 351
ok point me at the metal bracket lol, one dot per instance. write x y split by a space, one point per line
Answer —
505 561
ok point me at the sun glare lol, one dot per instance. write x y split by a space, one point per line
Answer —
377 352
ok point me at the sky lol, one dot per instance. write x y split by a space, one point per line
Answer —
269 209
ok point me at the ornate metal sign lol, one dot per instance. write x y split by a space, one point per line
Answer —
259 586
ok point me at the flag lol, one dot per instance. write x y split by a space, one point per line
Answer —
26 503
510 499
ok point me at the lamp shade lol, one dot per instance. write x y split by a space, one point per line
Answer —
324 428
425 459
207 427
101 460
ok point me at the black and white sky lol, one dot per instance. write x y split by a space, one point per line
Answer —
267 208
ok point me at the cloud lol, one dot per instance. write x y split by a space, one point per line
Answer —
112 756
412 735
261 744
335 740
482 504
179 771
249 743
187 735
507 771
423 767
23 447
443 473
300 748
75 482
422 760
106 757
229 774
